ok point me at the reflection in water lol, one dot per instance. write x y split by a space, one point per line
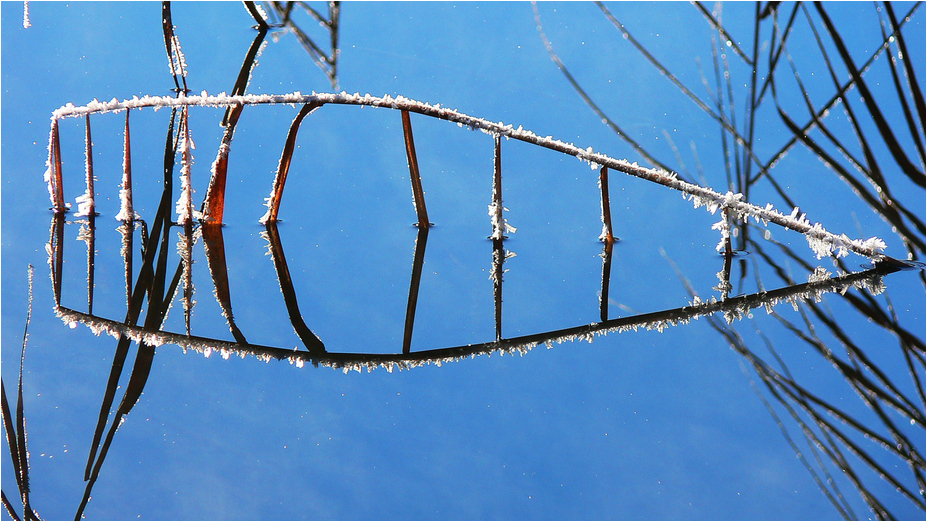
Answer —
313 344
731 308
797 398
829 429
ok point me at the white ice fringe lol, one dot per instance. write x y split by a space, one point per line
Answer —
821 241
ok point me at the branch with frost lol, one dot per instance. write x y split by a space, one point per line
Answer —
822 242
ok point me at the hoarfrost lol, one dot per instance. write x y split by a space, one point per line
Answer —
126 213
178 64
84 204
820 274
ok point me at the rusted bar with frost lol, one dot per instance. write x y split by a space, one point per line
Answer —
273 203
418 194
214 205
53 173
498 229
86 205
185 203
126 212
499 225
607 235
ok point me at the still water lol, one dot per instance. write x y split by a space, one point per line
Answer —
347 362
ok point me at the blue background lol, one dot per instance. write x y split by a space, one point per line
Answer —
643 425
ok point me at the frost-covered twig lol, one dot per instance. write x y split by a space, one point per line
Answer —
822 242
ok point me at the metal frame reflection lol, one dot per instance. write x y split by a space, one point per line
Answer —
160 283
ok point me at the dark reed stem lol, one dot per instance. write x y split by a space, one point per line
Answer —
588 100
247 66
498 260
914 129
913 83
172 45
16 435
256 14
885 130
732 306
128 233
